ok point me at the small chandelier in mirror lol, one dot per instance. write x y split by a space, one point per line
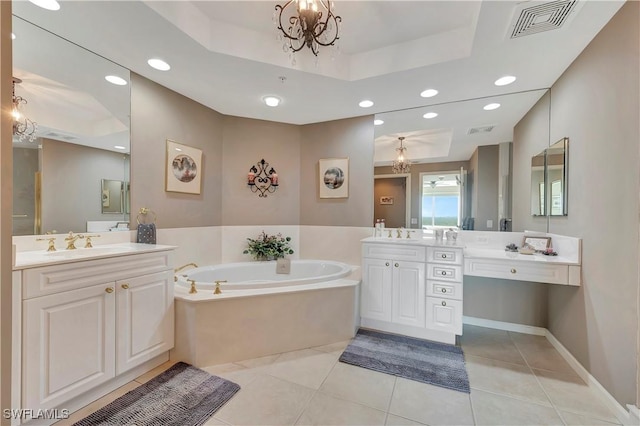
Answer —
23 127
401 164
313 25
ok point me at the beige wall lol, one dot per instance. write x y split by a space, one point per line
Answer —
530 136
25 166
157 114
351 138
595 103
394 214
416 169
245 143
484 171
505 300
71 182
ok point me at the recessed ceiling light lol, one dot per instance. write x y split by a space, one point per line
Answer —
489 107
430 115
503 81
46 4
119 147
159 64
13 36
366 104
429 93
114 79
271 101
378 122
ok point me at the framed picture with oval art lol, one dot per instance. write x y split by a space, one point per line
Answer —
334 177
183 169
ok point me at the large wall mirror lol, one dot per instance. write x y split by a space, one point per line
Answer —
81 140
460 170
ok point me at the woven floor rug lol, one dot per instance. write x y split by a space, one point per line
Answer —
181 396
420 360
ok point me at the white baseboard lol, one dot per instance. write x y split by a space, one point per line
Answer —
618 410
627 418
634 415
507 326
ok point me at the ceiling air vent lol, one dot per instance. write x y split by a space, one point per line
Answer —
535 17
483 129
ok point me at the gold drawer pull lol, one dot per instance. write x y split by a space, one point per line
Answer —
109 289
125 286
386 264
444 303
513 270
397 265
444 290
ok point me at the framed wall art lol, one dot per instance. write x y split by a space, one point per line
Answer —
386 200
334 178
183 168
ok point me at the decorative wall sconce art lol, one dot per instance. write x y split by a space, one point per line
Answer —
262 181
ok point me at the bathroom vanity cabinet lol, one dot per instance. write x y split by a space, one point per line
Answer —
87 322
412 289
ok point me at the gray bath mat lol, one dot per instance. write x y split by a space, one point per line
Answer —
421 360
181 396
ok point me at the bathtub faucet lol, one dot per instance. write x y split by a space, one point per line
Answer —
175 278
217 290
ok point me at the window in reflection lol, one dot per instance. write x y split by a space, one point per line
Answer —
441 200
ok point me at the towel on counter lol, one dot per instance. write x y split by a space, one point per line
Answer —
146 233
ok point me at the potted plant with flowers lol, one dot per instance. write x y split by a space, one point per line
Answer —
268 247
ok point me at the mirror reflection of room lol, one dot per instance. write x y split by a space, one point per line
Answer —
76 135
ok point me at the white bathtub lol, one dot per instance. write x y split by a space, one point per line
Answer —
262 313
262 275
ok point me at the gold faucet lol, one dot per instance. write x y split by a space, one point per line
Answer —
51 240
88 243
71 239
217 290
175 278
192 290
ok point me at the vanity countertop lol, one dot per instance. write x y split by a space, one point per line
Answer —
36 258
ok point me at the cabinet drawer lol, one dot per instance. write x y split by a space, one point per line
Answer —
394 252
521 271
445 255
444 289
444 272
70 276
444 315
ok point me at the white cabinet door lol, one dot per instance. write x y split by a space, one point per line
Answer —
69 341
408 293
144 319
376 289
444 315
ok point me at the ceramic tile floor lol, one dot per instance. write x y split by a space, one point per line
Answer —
516 379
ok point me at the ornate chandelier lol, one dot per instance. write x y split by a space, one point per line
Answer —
22 126
309 27
401 164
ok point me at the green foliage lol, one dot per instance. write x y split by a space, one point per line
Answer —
267 247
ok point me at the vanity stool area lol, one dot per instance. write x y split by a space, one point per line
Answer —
87 321
414 286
